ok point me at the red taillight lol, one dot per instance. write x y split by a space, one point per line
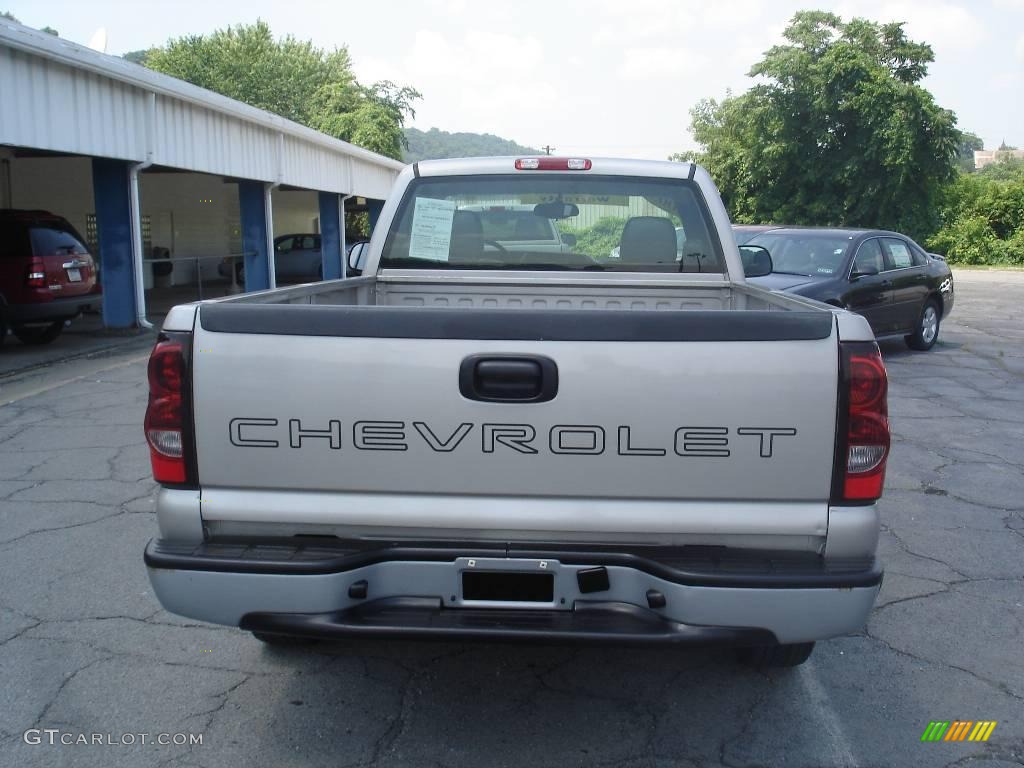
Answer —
166 414
553 164
36 276
864 449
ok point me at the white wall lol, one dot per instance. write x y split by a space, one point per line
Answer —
295 212
61 185
193 215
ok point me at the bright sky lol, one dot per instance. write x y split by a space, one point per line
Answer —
602 77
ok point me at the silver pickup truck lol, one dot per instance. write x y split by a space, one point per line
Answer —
479 441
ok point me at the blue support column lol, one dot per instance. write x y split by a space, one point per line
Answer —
375 207
254 234
114 230
330 236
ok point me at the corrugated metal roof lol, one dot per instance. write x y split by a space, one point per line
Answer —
64 97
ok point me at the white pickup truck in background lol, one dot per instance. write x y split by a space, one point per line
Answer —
478 439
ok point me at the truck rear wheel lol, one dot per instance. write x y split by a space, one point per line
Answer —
791 655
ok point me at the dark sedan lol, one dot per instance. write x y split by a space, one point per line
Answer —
884 276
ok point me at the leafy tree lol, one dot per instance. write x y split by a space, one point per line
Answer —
983 217
137 57
292 78
370 117
969 144
838 131
1004 169
434 144
600 238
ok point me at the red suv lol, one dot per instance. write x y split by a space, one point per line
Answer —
46 275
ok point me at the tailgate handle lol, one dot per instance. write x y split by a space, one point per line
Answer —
508 379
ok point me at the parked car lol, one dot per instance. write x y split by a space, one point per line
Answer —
475 442
900 288
47 275
295 256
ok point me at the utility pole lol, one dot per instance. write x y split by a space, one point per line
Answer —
548 149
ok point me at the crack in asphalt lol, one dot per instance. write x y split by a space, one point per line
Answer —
994 684
37 722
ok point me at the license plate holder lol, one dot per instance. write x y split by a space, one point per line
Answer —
508 586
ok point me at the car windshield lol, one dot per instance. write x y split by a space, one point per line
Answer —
553 222
812 255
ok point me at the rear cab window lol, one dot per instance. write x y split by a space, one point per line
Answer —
617 223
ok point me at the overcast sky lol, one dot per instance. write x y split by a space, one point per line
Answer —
604 77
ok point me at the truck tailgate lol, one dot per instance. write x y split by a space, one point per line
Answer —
354 416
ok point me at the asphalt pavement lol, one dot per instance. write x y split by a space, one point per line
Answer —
85 649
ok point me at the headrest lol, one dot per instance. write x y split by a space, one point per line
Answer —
648 240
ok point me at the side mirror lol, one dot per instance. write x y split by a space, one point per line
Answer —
568 239
757 262
356 261
865 270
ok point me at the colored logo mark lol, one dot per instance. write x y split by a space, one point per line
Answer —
958 730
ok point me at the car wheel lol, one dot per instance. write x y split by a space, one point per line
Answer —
282 641
927 332
3 326
38 334
791 655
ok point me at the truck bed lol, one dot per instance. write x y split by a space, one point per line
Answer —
490 290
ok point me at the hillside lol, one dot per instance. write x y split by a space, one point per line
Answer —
433 144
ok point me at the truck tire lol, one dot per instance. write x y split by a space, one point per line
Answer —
38 334
927 332
792 655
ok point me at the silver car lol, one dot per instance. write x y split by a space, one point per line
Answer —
295 256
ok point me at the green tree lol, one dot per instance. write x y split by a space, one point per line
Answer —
838 131
969 144
982 217
600 238
292 78
137 57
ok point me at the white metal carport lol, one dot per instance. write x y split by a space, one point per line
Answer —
60 97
